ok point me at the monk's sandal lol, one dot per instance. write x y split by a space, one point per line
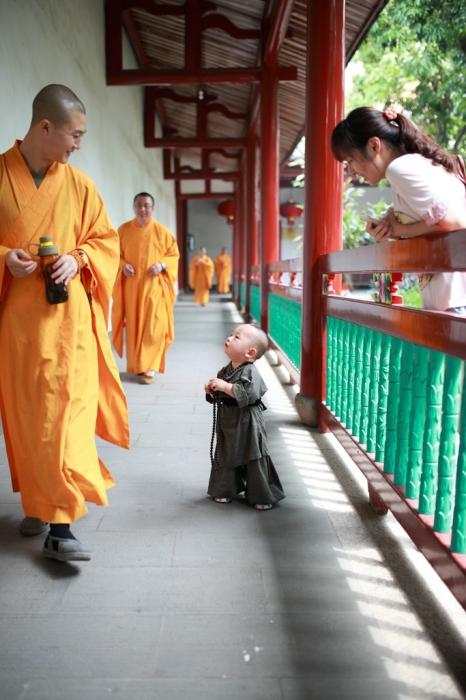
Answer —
29 527
65 549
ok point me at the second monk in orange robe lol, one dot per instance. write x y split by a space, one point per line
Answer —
59 384
223 271
145 292
201 270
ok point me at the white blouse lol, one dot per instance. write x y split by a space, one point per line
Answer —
423 191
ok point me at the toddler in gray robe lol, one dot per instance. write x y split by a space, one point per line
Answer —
241 461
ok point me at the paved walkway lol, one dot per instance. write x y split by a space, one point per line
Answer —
189 600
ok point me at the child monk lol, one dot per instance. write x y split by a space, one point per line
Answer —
241 461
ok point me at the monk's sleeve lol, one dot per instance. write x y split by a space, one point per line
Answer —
5 274
247 390
171 257
100 241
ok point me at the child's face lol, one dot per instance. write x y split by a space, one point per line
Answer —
238 345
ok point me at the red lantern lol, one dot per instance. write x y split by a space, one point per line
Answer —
290 211
227 208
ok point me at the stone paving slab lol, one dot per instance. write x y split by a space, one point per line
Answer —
186 599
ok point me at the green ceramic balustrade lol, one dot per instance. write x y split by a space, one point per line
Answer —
285 326
384 385
255 302
448 445
366 371
404 413
242 294
458 538
389 459
407 405
374 392
431 446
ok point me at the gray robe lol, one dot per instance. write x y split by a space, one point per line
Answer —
242 461
241 435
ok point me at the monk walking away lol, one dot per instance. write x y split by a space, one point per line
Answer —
201 270
145 291
59 385
223 271
241 461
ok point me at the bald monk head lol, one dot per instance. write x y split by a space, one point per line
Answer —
58 123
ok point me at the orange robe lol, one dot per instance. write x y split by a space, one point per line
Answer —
223 272
200 278
59 384
144 304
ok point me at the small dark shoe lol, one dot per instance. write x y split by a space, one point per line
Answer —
29 527
65 549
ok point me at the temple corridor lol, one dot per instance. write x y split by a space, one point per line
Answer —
186 599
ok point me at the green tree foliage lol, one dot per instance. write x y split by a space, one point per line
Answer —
415 56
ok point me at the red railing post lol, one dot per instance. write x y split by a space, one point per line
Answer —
324 183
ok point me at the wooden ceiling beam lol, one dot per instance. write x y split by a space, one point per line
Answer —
175 142
138 76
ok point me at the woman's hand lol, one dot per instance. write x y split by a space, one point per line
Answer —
380 230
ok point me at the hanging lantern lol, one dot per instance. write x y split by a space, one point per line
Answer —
227 208
290 211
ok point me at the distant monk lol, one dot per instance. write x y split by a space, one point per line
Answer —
201 270
145 292
223 271
59 384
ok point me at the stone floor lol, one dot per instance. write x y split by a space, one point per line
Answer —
189 600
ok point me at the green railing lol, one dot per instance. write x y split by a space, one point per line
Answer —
285 326
242 294
406 405
255 302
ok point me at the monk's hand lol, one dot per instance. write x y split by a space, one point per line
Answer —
128 270
64 269
19 263
155 269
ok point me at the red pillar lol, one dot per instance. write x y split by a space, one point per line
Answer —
251 214
324 186
181 219
240 232
269 144
235 237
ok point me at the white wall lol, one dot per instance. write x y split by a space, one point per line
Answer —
209 229
63 41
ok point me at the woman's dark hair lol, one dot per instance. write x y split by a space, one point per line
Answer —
399 133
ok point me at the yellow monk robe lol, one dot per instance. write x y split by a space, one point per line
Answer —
59 384
201 270
223 272
143 304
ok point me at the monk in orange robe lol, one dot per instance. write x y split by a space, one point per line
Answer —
59 384
145 292
223 271
201 270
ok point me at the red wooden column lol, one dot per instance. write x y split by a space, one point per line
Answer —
239 215
235 237
269 245
251 216
181 206
324 186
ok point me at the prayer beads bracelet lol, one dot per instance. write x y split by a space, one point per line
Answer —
80 257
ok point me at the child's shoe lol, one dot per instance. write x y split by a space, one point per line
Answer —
222 500
263 506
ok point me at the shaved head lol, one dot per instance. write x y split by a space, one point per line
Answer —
55 103
259 339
